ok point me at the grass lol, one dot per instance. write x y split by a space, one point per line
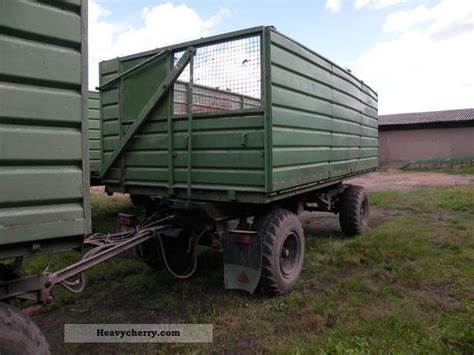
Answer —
447 170
104 208
403 287
453 199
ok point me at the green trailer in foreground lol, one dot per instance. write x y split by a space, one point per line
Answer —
44 169
249 125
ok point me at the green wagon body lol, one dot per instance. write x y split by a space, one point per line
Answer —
94 135
315 125
44 201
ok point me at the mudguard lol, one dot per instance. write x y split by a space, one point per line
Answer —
242 260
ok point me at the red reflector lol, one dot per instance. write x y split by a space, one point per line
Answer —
129 220
243 277
240 239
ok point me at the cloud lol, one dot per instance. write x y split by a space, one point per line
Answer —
333 5
378 4
404 20
162 24
427 65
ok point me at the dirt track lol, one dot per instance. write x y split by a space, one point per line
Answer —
395 180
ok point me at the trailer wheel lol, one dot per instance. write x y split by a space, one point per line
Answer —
354 211
147 252
282 251
18 333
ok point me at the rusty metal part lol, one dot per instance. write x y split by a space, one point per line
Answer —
31 310
38 287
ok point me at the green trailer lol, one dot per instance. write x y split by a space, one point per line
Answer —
309 123
44 169
249 125
94 138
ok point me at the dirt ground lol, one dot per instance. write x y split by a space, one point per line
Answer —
396 180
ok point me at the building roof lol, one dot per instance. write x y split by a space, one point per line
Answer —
433 118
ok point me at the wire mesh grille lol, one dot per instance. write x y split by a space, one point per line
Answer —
226 76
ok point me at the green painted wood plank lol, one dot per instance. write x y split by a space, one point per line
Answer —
288 177
44 104
297 49
291 99
44 61
199 176
37 19
50 143
284 137
40 214
292 156
40 184
44 232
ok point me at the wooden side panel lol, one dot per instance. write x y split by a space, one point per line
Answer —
324 120
44 196
94 134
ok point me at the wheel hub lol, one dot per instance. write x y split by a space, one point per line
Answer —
289 255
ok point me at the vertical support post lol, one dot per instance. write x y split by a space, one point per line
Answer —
169 123
190 122
84 119
267 106
121 127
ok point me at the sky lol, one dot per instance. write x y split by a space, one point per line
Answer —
417 54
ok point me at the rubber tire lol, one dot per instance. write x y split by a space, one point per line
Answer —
18 334
154 261
273 228
175 251
350 217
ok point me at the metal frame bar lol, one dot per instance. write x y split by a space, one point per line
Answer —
201 42
85 118
131 70
83 265
255 197
120 118
267 95
169 122
217 114
144 113
190 122
38 287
